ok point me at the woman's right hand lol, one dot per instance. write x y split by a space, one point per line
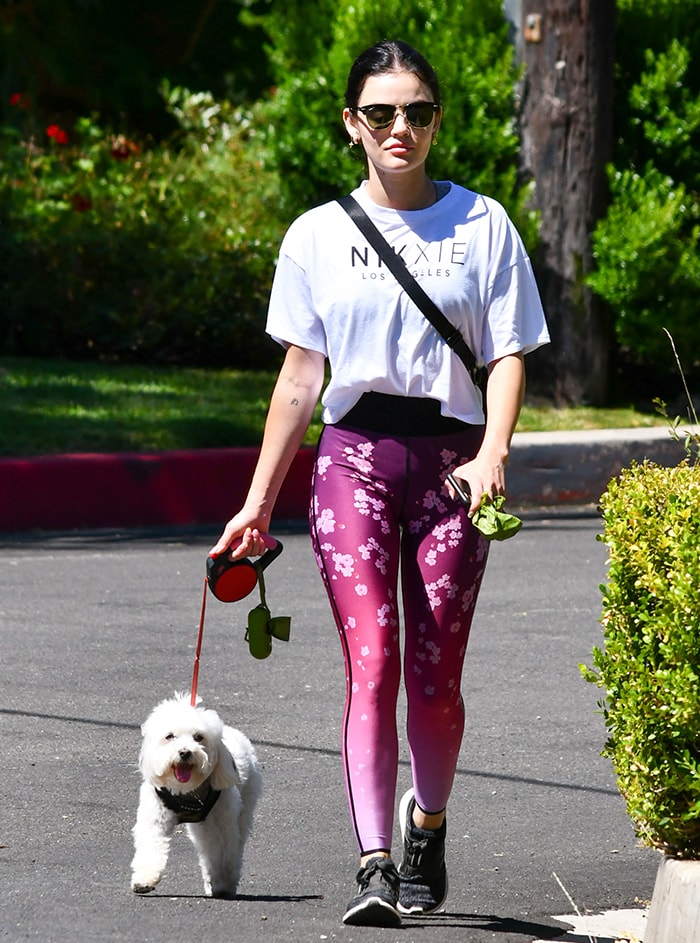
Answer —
250 532
291 408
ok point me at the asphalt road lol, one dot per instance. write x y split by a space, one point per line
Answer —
96 629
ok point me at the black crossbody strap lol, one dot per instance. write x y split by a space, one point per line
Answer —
397 267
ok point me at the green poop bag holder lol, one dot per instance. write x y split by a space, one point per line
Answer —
263 627
231 580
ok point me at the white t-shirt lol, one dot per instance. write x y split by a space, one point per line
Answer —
332 294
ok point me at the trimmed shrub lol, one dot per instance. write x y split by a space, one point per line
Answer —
650 667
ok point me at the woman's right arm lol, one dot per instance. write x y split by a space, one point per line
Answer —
291 408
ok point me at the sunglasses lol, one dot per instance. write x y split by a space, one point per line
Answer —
379 117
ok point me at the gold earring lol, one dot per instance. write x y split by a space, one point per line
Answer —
353 142
434 140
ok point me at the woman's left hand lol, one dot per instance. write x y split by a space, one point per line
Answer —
485 473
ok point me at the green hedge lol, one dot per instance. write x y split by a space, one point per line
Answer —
650 666
118 249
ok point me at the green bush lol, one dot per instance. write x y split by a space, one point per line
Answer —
113 247
648 267
646 247
650 667
116 249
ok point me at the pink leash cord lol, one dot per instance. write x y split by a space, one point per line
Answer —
195 675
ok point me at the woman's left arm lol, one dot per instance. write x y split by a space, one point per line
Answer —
504 399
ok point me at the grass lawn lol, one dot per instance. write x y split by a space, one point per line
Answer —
49 407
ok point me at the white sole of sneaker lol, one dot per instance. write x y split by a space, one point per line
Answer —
373 912
417 912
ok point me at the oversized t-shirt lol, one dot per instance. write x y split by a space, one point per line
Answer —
331 293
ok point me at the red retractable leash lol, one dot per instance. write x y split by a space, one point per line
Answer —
195 673
231 580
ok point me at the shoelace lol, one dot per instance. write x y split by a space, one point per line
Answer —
365 874
418 847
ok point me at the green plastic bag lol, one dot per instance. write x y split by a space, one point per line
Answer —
492 521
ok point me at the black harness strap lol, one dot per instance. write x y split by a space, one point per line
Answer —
190 806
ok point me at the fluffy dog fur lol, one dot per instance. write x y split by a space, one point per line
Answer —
185 748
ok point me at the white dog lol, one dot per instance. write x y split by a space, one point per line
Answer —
199 772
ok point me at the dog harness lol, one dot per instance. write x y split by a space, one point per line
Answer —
190 806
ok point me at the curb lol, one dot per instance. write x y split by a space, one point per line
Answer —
560 468
674 914
206 486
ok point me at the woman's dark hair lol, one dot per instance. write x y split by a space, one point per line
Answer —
389 56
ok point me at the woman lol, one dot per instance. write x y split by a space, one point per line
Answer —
400 413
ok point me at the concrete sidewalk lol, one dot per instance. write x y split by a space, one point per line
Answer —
182 488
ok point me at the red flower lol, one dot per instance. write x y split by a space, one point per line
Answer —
58 134
19 100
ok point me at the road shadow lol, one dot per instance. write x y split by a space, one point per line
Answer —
488 922
248 898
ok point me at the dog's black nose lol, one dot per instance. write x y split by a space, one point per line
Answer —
185 754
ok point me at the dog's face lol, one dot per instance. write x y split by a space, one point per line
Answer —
182 748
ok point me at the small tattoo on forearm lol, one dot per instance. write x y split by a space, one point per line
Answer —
295 402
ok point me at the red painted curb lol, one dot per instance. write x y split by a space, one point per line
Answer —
137 489
207 486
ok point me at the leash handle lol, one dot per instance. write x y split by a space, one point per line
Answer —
273 548
195 674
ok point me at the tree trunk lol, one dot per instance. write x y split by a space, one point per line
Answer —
568 49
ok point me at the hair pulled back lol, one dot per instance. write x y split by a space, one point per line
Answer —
389 56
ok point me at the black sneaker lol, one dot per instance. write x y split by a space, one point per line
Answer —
377 896
423 876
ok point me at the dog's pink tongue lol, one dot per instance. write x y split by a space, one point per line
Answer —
183 772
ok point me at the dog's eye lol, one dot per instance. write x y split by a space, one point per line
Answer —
198 738
170 736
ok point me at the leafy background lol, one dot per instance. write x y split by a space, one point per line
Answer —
144 227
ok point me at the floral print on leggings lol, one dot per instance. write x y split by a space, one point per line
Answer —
382 522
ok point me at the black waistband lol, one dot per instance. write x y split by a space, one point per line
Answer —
401 416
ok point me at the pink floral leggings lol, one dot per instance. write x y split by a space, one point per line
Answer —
379 504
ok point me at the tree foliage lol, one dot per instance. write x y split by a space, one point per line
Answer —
87 56
282 67
647 246
163 249
303 138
